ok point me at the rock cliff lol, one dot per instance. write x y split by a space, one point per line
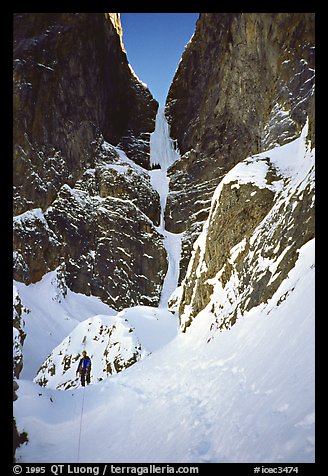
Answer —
244 84
261 215
79 202
72 82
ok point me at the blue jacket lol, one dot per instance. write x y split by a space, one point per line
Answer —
84 364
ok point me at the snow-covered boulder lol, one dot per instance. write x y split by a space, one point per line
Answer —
113 343
110 343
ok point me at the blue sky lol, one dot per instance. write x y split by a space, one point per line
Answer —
154 43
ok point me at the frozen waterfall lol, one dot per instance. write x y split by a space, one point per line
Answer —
164 153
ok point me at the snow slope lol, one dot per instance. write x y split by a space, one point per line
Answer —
245 396
50 314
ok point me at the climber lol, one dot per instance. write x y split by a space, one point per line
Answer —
84 368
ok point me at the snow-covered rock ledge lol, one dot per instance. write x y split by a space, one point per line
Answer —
262 213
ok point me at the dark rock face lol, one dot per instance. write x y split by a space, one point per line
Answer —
120 256
116 177
106 245
244 84
18 439
79 203
18 338
37 248
72 82
18 341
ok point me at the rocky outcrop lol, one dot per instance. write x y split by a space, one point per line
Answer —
262 213
245 84
97 232
18 341
79 202
18 439
18 334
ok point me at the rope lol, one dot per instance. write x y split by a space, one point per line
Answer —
79 445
